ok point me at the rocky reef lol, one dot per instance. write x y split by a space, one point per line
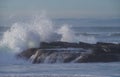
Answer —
64 52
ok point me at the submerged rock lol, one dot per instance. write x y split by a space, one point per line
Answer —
64 52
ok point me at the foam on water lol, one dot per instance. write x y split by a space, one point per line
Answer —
26 35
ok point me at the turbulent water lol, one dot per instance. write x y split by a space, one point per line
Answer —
18 34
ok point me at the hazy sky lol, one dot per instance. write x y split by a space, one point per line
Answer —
62 8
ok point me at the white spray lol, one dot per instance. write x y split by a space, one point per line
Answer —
22 36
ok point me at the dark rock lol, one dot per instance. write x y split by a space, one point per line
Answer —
105 44
35 57
86 45
27 53
98 58
48 56
50 53
70 57
102 52
58 44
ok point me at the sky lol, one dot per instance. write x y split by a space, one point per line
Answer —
62 8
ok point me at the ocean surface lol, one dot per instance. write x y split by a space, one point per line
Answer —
18 34
61 70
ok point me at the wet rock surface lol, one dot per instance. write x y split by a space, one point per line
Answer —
64 52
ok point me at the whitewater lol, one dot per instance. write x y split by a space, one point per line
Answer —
26 35
23 35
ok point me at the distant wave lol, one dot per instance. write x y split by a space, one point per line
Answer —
51 75
115 34
98 33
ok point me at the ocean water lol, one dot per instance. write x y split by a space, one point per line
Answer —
20 33
61 70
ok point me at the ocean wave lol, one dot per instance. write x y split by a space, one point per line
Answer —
115 34
112 34
50 75
27 35
24 35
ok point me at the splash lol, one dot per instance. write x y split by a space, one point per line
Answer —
22 36
26 35
68 35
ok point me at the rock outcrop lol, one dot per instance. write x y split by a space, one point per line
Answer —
64 52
